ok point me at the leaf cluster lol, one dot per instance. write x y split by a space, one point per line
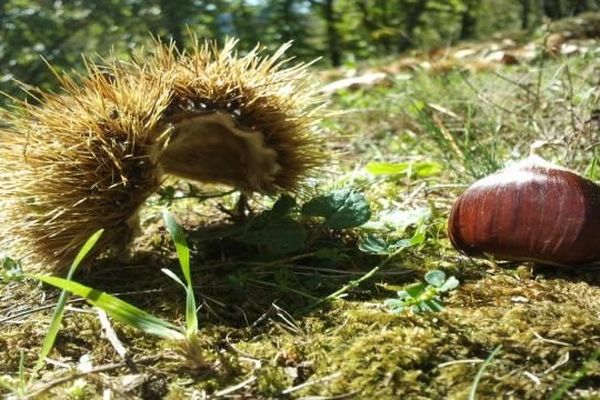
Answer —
423 297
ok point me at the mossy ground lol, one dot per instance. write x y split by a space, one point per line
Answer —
258 330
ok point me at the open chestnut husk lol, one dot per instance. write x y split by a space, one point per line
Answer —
531 211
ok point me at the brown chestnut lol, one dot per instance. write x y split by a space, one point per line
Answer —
531 211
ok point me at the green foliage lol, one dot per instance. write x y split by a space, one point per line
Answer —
116 308
64 296
340 30
467 152
376 245
113 306
11 270
280 231
341 209
275 230
418 169
183 254
119 309
423 297
575 377
399 220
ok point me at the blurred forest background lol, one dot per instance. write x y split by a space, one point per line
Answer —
342 32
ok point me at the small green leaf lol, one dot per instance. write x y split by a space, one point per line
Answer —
395 304
450 284
280 236
435 278
386 168
402 294
417 238
399 220
415 290
374 245
118 309
282 206
85 249
172 275
431 305
341 209
11 270
426 169
417 106
419 169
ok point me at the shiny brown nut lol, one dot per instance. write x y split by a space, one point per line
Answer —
532 211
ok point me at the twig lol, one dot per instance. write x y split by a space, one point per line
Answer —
287 319
534 378
448 136
234 388
310 383
34 310
467 361
559 363
281 261
336 397
543 339
258 282
111 335
103 368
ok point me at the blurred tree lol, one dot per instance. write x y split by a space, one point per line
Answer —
343 30
333 38
414 12
552 8
332 35
525 13
468 19
174 16
584 5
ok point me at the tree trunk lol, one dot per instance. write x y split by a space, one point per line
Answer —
525 12
582 6
173 14
286 23
413 15
333 39
468 21
552 9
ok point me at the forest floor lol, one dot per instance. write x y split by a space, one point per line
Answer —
275 324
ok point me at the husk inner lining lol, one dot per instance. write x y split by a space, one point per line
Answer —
213 148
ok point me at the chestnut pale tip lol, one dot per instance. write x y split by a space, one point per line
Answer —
531 211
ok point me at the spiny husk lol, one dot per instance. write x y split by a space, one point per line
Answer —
87 157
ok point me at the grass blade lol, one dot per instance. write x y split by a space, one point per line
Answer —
118 309
183 254
62 300
481 369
